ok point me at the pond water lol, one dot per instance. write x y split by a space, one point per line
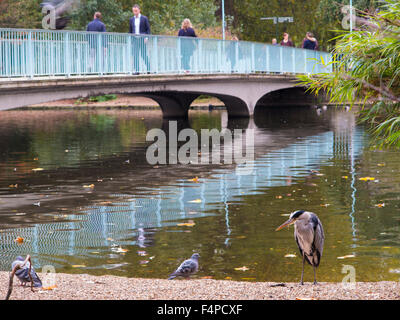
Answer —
76 186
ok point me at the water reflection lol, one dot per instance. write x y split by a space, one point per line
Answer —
99 197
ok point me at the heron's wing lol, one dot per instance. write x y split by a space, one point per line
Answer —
319 237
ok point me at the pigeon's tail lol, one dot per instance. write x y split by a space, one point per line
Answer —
172 276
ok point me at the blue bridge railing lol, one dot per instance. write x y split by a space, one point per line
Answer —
32 53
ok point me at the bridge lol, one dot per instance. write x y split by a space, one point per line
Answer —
42 65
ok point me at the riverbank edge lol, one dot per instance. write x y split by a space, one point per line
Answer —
89 287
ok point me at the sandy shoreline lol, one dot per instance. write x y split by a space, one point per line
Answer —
88 287
127 101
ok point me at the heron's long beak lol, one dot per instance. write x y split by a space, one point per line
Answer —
287 223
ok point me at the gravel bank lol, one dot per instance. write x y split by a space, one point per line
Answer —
83 287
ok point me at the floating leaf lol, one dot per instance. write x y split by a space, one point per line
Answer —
119 250
290 256
345 177
381 164
346 257
196 179
367 179
37 169
89 186
13 186
380 205
196 201
78 266
19 240
244 268
188 224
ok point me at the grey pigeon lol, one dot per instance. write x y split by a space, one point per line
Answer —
23 274
187 267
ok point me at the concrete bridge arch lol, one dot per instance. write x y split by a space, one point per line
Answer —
174 93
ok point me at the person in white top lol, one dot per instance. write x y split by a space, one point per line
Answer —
138 25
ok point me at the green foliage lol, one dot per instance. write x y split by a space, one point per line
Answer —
20 14
115 19
366 67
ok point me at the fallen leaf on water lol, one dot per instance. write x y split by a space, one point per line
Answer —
380 205
120 250
37 169
241 237
78 266
196 201
325 205
19 240
228 278
290 256
348 256
196 179
189 224
244 268
367 179
381 164
35 159
89 186
345 177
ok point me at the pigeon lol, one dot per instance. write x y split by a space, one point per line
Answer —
187 268
23 274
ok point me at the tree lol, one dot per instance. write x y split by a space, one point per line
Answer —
366 70
20 14
113 15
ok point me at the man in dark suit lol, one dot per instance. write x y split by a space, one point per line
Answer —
139 25
96 26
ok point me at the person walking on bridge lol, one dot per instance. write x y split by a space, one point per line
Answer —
309 42
96 26
287 42
187 45
139 25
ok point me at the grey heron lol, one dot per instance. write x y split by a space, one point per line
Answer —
187 267
309 236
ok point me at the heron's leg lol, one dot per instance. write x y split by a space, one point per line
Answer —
315 275
302 273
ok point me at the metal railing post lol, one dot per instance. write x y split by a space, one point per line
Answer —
67 58
155 54
31 59
253 58
281 59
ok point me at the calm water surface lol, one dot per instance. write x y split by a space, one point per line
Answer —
77 187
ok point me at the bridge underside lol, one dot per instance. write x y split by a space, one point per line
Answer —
240 93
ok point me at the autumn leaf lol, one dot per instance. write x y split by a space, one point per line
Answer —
188 224
290 256
380 205
19 240
89 186
49 288
367 179
244 268
13 186
196 179
78 266
346 257
196 201
37 169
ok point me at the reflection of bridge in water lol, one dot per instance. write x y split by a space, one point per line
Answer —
130 217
